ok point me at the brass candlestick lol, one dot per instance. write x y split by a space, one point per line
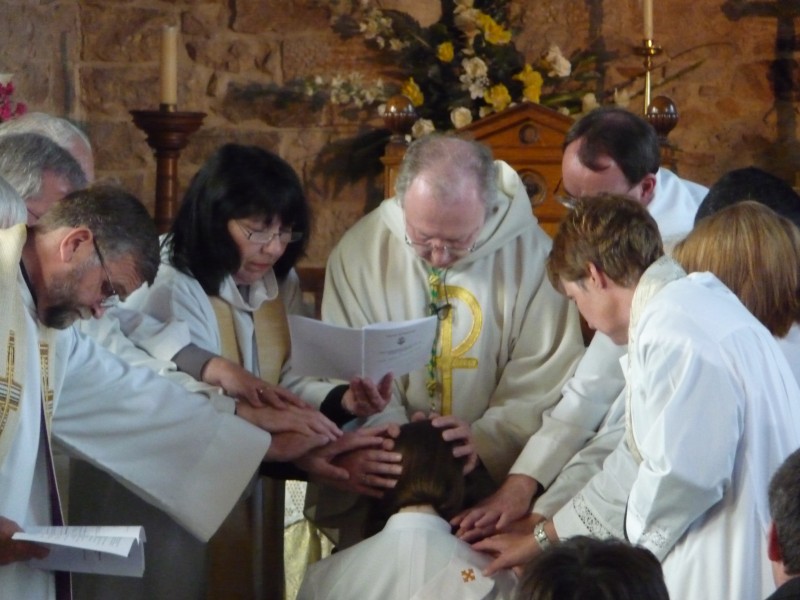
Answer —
649 49
168 132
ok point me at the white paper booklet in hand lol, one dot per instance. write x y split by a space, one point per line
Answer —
112 550
323 350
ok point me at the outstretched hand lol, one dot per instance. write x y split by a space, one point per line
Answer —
508 549
290 418
14 550
241 384
509 503
320 461
371 470
290 445
364 399
455 430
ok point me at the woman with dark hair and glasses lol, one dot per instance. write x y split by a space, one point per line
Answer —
228 273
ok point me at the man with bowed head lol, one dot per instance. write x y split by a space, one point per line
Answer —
609 150
164 443
691 493
459 240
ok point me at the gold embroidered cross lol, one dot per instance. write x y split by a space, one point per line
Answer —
10 391
468 575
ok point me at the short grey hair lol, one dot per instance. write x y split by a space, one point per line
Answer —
24 158
449 158
12 206
62 131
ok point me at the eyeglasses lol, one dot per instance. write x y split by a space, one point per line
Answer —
265 238
426 249
563 198
110 295
569 201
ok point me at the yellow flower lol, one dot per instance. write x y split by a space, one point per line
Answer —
532 81
492 32
444 52
498 97
532 93
528 76
411 90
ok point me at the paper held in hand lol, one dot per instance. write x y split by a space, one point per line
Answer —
323 350
106 550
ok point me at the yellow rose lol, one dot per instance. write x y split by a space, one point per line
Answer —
444 52
411 91
498 97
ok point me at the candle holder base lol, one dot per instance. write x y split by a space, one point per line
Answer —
168 133
662 114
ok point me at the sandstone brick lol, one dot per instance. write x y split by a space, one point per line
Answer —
230 53
282 16
119 145
205 19
122 33
116 90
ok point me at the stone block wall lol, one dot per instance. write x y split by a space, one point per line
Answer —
94 60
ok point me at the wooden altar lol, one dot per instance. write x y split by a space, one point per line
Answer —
529 138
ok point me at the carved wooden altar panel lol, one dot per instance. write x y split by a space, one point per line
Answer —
529 138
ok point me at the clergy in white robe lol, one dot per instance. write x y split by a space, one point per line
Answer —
170 447
507 344
707 384
570 427
414 556
710 412
241 191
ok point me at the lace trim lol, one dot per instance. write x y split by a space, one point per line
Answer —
655 539
588 518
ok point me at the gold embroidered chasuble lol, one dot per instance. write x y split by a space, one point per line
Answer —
13 334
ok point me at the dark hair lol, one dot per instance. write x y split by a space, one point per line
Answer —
616 132
614 233
784 506
119 222
751 183
236 182
24 157
584 568
431 474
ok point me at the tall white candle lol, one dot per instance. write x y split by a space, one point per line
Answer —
169 65
647 6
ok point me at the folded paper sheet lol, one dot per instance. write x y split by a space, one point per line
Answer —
106 550
323 350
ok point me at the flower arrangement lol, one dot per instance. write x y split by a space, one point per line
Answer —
8 107
461 68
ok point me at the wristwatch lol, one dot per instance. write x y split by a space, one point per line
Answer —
541 537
